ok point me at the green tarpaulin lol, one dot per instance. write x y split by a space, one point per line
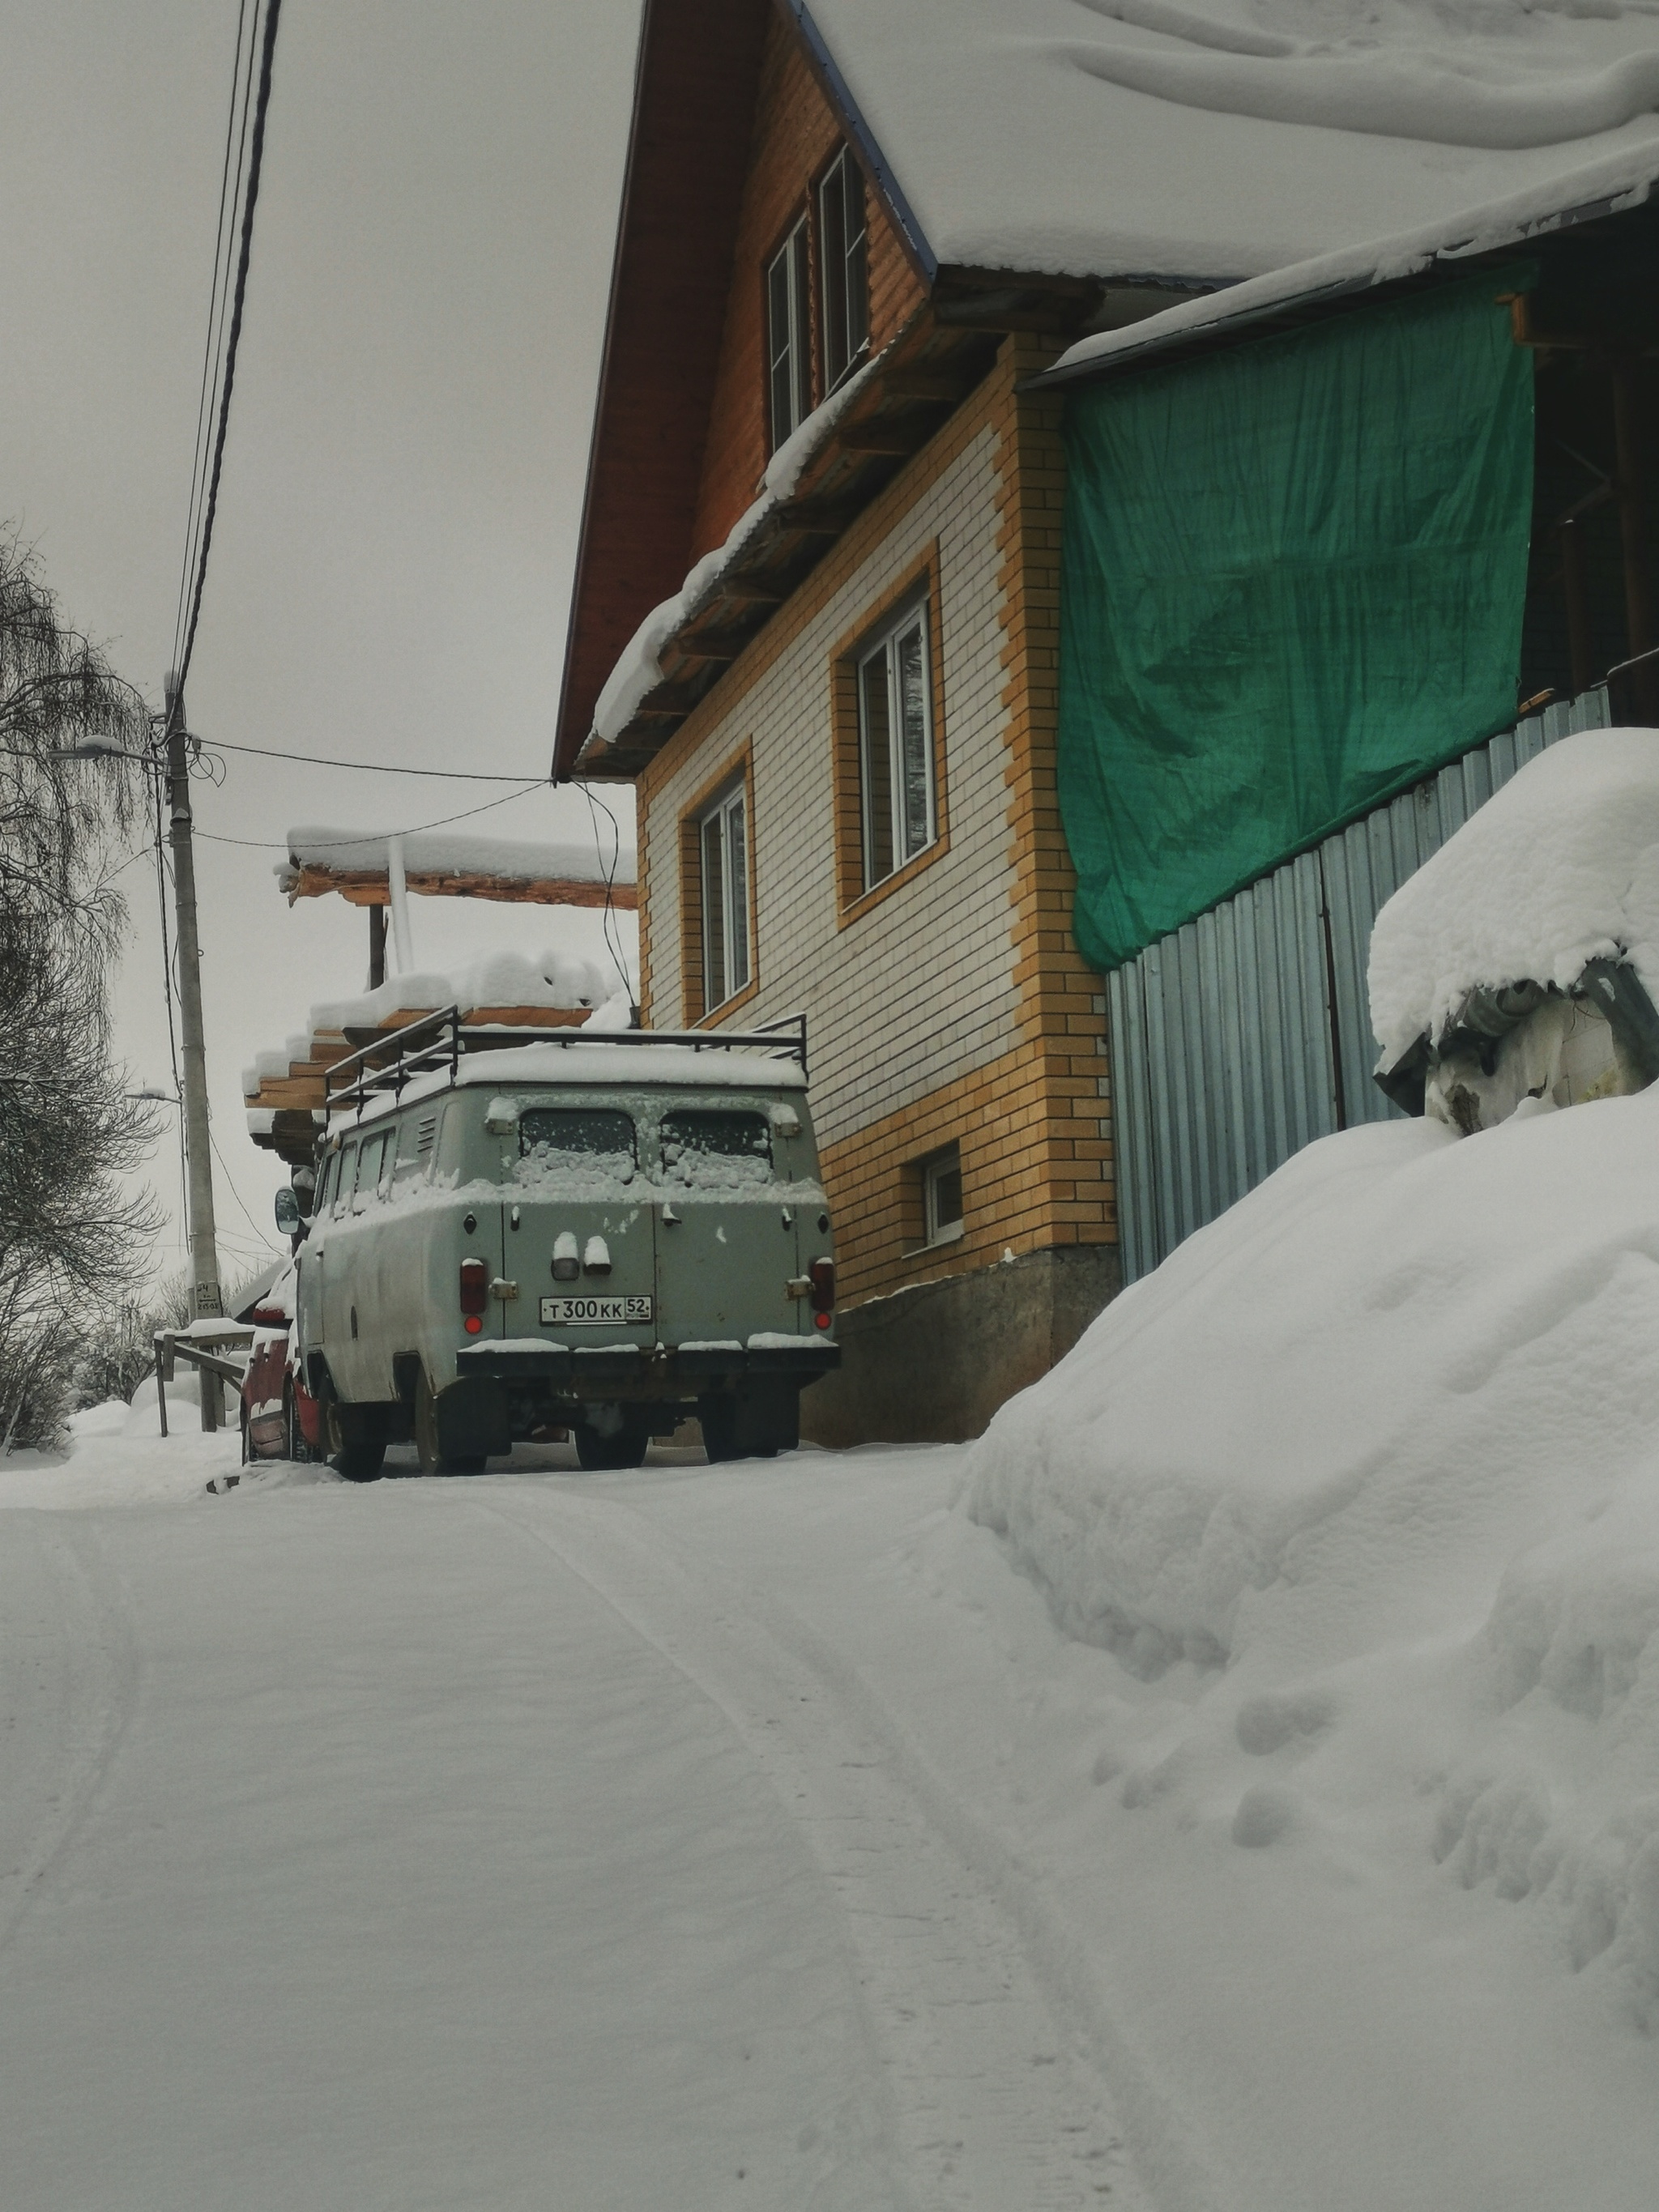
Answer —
1293 581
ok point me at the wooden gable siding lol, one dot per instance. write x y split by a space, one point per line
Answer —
694 104
796 133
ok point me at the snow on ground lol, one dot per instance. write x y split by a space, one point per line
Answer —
751 1834
1559 867
1390 1579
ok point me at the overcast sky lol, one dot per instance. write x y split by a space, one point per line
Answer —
402 488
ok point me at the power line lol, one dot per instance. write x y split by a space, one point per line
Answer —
215 324
365 767
266 845
273 12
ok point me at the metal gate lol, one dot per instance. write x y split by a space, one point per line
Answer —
1242 1036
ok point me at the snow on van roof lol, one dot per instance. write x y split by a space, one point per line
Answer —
619 1067
1559 867
1222 139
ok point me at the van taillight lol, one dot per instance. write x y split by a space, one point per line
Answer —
822 1276
475 1286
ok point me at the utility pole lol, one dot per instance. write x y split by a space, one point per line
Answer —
206 1301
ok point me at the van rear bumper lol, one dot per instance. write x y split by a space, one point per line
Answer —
668 1373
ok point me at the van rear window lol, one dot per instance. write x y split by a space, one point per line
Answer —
577 1140
716 1149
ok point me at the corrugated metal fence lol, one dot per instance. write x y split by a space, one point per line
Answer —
1247 1034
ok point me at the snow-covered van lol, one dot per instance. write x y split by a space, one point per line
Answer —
600 1233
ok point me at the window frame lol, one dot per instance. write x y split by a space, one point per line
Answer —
735 920
913 618
843 271
795 355
340 1206
947 1161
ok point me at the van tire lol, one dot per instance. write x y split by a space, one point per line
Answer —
598 1455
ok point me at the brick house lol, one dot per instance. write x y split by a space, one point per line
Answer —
816 619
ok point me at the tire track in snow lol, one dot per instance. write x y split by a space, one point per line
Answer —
1006 2074
68 1679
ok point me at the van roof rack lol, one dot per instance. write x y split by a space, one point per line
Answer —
383 1067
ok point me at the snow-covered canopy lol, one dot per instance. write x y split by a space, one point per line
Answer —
493 979
436 859
1559 867
1223 139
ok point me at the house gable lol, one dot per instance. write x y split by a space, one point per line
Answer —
796 135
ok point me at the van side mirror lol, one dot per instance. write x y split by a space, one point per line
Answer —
290 1219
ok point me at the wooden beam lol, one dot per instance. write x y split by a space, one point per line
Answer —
924 384
363 887
883 437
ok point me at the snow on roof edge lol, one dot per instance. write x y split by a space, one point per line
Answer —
638 669
1605 187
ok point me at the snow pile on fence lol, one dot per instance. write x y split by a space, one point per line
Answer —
451 852
1559 867
493 979
1373 1461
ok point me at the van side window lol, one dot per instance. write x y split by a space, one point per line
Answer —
708 1148
325 1187
345 1162
557 1142
368 1171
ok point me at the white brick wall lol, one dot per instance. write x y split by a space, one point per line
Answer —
920 989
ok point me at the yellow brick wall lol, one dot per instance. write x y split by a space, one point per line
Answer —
1026 1098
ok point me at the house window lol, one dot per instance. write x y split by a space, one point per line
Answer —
788 325
941 1195
723 850
895 747
843 254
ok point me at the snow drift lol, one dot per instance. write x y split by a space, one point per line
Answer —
1373 1461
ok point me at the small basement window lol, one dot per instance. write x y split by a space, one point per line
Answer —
842 249
788 324
895 747
941 1195
723 852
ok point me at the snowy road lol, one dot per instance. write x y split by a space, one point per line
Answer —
712 1836
490 1843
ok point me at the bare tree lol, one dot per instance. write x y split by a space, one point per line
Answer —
71 1235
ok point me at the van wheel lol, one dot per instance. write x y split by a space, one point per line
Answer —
428 1449
597 1454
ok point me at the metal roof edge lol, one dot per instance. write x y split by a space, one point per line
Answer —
863 137
1394 261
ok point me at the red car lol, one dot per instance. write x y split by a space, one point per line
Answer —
281 1419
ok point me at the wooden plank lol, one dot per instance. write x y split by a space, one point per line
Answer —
368 887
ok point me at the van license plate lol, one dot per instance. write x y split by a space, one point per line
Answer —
594 1313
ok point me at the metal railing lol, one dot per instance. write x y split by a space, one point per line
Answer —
383 1067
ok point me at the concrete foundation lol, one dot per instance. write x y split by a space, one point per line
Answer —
932 1363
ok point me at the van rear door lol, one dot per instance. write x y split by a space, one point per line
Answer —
725 1239
577 1231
